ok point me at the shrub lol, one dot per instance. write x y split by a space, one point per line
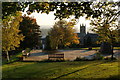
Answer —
98 56
27 50
109 58
80 58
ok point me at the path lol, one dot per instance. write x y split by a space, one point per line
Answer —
38 55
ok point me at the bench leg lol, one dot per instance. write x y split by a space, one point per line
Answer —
48 58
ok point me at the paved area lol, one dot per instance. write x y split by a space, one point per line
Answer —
38 55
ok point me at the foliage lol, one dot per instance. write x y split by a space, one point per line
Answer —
106 24
62 9
48 47
11 36
80 58
62 34
13 58
10 32
27 50
9 8
98 56
66 9
109 58
31 31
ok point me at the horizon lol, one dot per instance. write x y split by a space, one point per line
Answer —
46 21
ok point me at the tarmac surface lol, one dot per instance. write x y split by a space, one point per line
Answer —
39 55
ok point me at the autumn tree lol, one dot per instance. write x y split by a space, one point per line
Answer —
106 24
66 9
11 36
9 8
31 31
62 9
62 34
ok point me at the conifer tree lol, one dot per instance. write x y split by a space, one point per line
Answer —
31 31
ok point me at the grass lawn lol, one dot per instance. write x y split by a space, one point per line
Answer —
13 58
87 48
99 48
62 70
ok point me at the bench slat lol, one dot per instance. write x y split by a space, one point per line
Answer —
56 56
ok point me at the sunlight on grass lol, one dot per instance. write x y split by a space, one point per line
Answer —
76 69
104 70
99 48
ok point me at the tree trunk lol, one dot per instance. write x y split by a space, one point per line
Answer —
8 58
112 52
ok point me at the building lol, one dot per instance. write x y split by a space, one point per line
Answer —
86 38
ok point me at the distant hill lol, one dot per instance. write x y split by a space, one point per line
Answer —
44 32
45 29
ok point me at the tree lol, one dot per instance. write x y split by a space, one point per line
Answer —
31 31
9 8
11 36
66 9
62 34
62 9
105 25
48 47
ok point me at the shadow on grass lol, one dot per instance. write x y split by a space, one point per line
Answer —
55 67
75 71
115 77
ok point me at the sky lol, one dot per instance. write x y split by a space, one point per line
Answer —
46 21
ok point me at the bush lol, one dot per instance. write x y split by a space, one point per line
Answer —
109 58
27 50
98 56
80 58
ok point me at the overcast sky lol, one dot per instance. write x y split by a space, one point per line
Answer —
46 21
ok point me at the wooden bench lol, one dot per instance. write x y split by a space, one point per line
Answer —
56 56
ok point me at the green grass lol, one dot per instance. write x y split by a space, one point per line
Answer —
87 48
13 58
61 70
116 47
99 48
